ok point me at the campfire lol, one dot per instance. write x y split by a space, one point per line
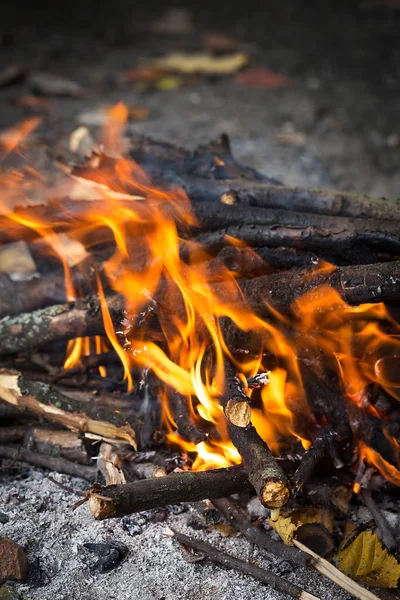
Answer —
176 327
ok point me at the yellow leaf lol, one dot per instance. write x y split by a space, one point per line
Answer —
367 560
286 524
201 62
285 528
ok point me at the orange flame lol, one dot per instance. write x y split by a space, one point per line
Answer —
182 298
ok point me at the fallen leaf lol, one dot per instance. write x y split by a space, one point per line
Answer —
201 62
138 113
263 78
367 560
47 84
33 102
219 42
286 524
16 260
226 530
143 74
291 138
166 84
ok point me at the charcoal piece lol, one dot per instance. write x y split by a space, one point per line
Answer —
176 509
4 518
109 554
132 526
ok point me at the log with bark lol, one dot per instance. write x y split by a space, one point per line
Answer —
189 486
41 399
356 284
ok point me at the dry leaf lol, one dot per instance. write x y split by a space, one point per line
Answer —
16 260
263 78
286 524
367 560
226 530
219 42
201 62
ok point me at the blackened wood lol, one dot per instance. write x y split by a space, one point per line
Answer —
58 322
385 532
188 486
231 562
306 231
54 463
12 434
355 284
239 518
311 458
265 474
184 418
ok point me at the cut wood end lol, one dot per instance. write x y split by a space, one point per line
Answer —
275 494
238 412
101 509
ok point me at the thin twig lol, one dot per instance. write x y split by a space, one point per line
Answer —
231 562
326 568
386 535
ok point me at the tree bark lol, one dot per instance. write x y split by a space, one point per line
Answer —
189 486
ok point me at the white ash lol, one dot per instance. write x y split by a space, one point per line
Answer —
41 519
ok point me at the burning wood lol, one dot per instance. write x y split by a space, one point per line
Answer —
222 356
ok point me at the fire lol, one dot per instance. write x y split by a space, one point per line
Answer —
176 304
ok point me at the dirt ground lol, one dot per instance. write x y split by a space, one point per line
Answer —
343 61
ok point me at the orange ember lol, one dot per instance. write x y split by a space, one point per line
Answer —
144 225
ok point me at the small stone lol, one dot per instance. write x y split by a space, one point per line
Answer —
13 563
109 554
7 593
4 518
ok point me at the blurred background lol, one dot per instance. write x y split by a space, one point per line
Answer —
307 91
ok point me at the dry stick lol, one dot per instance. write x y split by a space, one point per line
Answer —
145 470
239 184
265 474
328 570
12 434
234 401
383 526
239 518
159 491
231 562
300 555
311 458
180 409
274 227
61 465
43 400
58 322
356 284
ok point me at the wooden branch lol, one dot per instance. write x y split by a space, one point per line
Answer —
204 178
184 417
299 555
53 463
385 532
58 322
42 399
306 231
356 284
328 570
143 470
311 458
119 500
231 562
239 518
56 442
234 401
265 474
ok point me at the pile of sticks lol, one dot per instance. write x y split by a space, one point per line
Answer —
291 230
